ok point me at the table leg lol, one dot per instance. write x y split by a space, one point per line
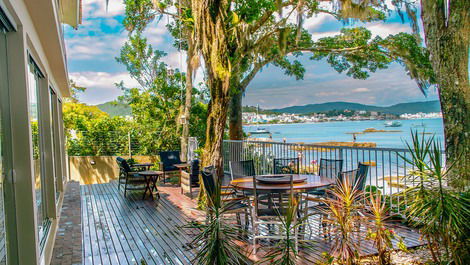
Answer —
154 180
147 180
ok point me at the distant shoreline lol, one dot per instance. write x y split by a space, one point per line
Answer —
290 123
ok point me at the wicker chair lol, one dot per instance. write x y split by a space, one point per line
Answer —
190 179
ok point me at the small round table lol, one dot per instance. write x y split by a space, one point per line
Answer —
312 182
151 178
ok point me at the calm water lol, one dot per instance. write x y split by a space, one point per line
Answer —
338 131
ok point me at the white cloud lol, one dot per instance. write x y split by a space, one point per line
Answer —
101 85
97 8
361 89
383 30
315 22
102 47
318 35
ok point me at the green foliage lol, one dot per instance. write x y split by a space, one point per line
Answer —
285 252
216 240
342 211
440 212
378 231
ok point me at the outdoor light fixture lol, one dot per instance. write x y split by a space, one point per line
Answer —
183 119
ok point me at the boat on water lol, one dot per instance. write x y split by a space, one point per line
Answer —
260 131
392 124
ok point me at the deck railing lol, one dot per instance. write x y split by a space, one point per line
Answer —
387 171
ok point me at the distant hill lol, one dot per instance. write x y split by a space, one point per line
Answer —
397 109
115 108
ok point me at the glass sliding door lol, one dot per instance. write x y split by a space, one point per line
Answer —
3 89
35 77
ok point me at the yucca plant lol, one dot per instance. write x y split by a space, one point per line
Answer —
217 239
441 213
285 251
342 209
377 217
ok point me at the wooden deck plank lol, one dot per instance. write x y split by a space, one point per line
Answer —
124 230
115 241
136 233
154 224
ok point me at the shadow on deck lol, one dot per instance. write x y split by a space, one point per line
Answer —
118 230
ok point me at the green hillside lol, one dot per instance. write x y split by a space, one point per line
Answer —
115 108
397 109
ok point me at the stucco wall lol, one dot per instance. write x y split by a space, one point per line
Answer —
100 169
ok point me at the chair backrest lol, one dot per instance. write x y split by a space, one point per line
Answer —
123 165
240 169
362 171
209 182
351 175
286 165
330 168
357 176
269 203
194 171
169 159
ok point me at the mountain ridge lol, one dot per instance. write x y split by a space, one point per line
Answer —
121 109
397 109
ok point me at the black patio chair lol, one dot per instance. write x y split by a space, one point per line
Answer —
286 165
190 180
268 207
129 176
232 205
357 176
241 169
330 168
168 160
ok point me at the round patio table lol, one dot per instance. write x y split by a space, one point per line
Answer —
312 182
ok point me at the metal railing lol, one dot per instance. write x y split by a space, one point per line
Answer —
387 171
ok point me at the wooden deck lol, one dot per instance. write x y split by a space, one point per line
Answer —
118 230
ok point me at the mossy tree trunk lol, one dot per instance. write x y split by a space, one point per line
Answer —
236 122
188 100
447 39
216 122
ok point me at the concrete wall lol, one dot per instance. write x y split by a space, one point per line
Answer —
100 169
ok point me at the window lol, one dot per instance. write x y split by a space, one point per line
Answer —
35 77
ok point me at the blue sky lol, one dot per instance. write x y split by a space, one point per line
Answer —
92 48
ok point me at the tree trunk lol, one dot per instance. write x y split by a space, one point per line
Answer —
236 122
188 99
448 44
216 121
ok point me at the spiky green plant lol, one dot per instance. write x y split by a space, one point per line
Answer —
216 240
378 232
285 252
441 213
342 209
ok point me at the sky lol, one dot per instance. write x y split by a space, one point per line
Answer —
91 52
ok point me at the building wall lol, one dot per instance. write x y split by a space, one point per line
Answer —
37 35
100 169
